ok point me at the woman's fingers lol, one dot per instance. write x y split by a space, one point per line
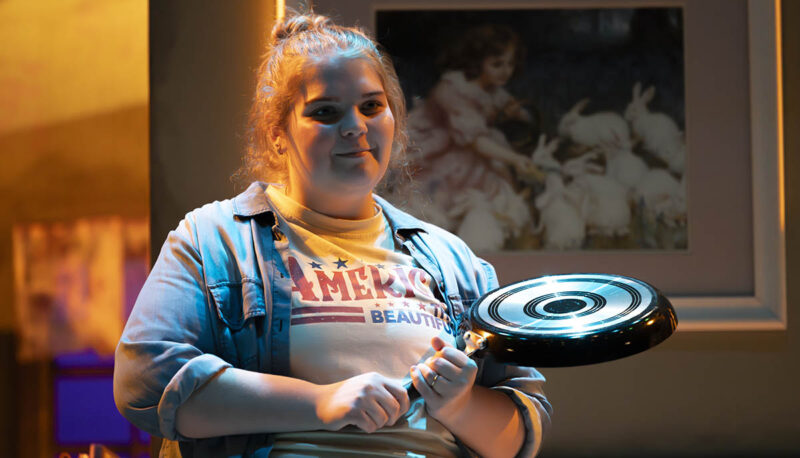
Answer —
445 379
387 402
438 343
399 393
453 355
430 376
421 383
448 361
365 422
390 406
444 368
376 412
369 401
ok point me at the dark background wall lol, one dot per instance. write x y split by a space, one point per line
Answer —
698 394
203 57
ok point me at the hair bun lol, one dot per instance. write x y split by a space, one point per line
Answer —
296 24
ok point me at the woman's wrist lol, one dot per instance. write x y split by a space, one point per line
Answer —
319 395
455 411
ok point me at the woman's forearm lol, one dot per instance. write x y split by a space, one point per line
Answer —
489 423
243 402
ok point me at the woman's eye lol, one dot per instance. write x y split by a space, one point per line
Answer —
323 111
326 114
372 106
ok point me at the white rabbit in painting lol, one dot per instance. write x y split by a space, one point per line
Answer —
602 128
511 210
543 154
564 227
604 201
663 197
659 133
478 228
624 167
487 221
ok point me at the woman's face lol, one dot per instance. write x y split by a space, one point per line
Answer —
497 70
339 134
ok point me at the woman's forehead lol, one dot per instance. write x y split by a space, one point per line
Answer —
339 77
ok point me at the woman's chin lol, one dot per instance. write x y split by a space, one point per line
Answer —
359 179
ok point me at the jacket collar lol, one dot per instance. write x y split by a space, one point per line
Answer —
253 201
399 220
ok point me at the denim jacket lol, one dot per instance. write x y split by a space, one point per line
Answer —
219 296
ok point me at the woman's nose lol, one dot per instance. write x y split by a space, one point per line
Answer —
353 125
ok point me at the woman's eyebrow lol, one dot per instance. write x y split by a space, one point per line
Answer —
336 99
322 99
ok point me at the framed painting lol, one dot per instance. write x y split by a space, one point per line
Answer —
622 137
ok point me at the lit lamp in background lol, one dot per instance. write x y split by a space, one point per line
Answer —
72 280
75 284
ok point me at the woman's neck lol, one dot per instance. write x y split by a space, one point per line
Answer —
342 206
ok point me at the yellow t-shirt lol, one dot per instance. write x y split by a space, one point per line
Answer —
358 305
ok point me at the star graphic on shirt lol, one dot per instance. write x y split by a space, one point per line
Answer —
391 304
422 306
340 264
406 304
315 265
377 304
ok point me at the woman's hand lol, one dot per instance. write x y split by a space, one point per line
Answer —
369 401
445 380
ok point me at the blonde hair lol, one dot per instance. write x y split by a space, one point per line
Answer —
296 42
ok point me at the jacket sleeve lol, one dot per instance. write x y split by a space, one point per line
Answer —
166 349
524 385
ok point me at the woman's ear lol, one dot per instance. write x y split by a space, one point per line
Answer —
276 139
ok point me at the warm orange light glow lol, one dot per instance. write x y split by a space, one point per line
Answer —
70 280
67 59
779 73
280 10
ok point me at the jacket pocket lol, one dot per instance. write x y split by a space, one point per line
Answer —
236 302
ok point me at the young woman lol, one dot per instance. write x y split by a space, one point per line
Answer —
284 322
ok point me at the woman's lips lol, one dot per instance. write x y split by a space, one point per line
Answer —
356 153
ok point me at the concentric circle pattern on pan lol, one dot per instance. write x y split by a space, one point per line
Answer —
565 304
574 319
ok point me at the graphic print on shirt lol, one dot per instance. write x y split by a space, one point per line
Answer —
374 294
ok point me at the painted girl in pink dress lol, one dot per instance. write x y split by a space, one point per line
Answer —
455 146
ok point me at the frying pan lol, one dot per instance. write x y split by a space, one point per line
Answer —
567 320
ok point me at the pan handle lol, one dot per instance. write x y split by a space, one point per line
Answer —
474 342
